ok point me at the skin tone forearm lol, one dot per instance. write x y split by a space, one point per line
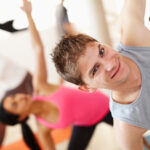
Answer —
46 141
45 137
40 73
135 8
40 84
133 31
68 27
128 137
41 70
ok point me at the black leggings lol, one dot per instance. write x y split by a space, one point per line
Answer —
81 135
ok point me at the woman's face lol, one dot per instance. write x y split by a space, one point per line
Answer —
18 104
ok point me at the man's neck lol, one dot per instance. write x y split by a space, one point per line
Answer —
129 90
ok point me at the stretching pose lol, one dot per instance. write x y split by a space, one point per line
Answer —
62 107
90 64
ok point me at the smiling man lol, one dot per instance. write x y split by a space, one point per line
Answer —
82 60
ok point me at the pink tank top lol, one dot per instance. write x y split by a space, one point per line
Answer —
76 107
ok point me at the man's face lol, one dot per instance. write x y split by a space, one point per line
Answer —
102 67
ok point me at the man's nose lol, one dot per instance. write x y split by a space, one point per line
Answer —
109 65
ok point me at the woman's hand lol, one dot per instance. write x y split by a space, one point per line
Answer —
27 6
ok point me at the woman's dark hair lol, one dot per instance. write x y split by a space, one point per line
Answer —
12 119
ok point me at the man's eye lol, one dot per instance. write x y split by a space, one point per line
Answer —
95 70
101 52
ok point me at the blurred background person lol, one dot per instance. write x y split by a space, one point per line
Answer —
62 21
11 75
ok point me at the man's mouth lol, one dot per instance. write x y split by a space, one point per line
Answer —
116 71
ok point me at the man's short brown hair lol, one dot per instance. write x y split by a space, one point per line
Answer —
66 54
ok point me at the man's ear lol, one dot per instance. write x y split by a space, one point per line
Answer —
85 88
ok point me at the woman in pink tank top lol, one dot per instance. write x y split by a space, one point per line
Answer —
61 107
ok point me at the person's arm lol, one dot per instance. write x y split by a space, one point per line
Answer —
133 30
41 70
45 137
40 84
67 26
128 137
